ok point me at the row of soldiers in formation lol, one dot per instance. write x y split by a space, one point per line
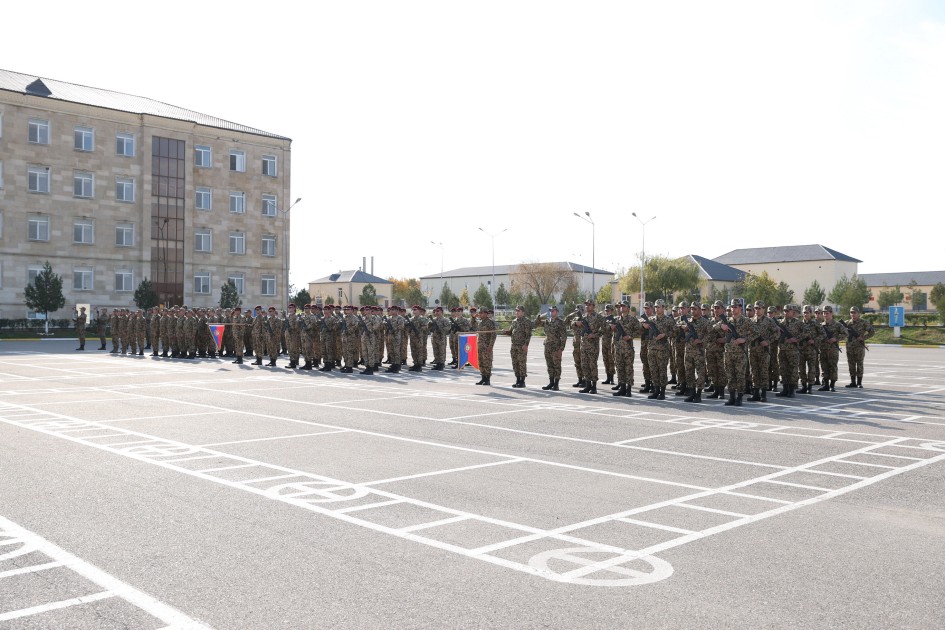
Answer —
702 347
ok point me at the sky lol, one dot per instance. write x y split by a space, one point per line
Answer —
416 124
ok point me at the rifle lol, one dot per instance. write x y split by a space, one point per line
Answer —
691 332
645 332
268 327
413 327
851 334
621 333
390 326
363 326
731 336
785 333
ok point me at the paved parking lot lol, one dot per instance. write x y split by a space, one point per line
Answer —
155 493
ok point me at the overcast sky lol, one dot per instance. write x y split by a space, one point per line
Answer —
735 124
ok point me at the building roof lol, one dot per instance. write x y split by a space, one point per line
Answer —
902 279
711 270
97 97
504 270
351 276
788 253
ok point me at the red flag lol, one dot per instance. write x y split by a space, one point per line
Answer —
216 331
469 350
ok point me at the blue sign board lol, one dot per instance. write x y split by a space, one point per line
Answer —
897 315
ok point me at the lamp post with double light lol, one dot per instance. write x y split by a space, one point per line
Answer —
642 253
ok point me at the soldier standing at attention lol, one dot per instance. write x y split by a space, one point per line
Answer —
593 325
487 329
101 320
819 316
624 327
645 350
439 329
293 336
259 334
607 345
521 333
789 349
738 331
416 337
237 323
714 342
328 338
759 354
572 321
556 336
677 363
774 365
694 358
830 350
80 320
858 331
274 332
673 338
810 348
395 333
424 325
305 336
659 329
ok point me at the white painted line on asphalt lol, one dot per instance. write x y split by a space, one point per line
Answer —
269 439
714 510
511 460
668 528
755 496
798 485
445 521
188 459
273 478
164 417
659 435
234 467
834 474
915 459
368 506
33 569
846 461
66 603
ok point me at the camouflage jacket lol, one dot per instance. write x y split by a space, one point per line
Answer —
521 331
859 328
556 333
486 329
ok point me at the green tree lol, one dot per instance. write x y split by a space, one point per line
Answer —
502 295
761 287
938 299
145 295
663 278
407 290
571 297
814 294
481 297
849 292
532 304
448 299
889 297
368 296
301 298
605 295
464 297
329 300
783 294
44 294
229 297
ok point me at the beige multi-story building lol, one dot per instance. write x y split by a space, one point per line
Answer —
112 189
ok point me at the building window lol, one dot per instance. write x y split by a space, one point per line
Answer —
237 202
38 179
202 282
238 161
203 240
237 242
38 229
39 131
1 174
204 198
32 273
82 279
84 139
83 184
124 280
125 235
269 245
125 144
203 156
269 165
1 225
269 205
83 232
125 189
268 285
238 281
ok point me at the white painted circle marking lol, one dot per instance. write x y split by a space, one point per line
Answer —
935 446
323 491
575 555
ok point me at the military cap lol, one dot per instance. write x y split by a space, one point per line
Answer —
438 308
790 307
647 305
490 312
623 305
772 309
735 302
307 306
590 302
828 309
693 305
472 308
520 308
749 307
818 310
683 304
759 304
292 305
808 309
317 307
608 307
554 307
705 306
660 303
257 306
854 309
272 308
718 304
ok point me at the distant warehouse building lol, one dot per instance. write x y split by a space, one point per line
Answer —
919 283
112 188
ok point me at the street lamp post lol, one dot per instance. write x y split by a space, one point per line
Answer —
642 253
285 249
492 287
587 217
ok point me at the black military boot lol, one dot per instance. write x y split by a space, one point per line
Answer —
629 391
616 387
655 394
738 400
580 383
792 389
154 353
518 383
609 381
755 395
832 384
817 381
647 387
661 394
825 387
852 381
621 390
716 392
764 395
367 371
785 391
258 360
672 381
271 364
695 397
239 361
731 399
683 390
551 383
859 382
593 387
488 381
586 389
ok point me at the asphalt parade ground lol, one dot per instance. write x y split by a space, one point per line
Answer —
138 492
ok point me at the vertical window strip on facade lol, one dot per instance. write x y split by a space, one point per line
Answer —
203 198
203 156
269 165
237 202
239 281
268 285
238 161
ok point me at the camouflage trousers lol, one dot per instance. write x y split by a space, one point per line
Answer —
393 348
856 352
829 357
416 353
788 358
658 359
305 344
624 356
590 349
273 342
328 347
439 349
369 350
607 351
715 364
259 344
774 365
576 354
808 364
736 361
553 361
423 349
677 360
485 361
519 359
645 361
759 360
293 343
349 350
695 366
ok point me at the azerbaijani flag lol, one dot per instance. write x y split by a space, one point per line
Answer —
216 331
468 350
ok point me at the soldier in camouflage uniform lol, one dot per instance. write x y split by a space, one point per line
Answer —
350 330
556 337
607 345
415 337
774 360
439 329
694 356
819 316
487 330
645 349
141 331
80 320
759 353
237 323
809 349
292 330
305 336
659 330
788 354
714 342
259 335
830 350
274 335
101 321
625 327
521 333
677 358
327 330
858 331
424 335
366 326
395 330
739 332
593 325
571 320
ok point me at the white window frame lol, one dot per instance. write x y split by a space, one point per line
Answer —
1 174
270 166
42 132
38 178
79 277
84 139
238 161
203 198
238 202
125 144
125 235
83 184
238 243
40 222
32 273
270 205
202 283
205 153
83 232
239 280
203 236
124 280
268 245
1 223
125 189
265 283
